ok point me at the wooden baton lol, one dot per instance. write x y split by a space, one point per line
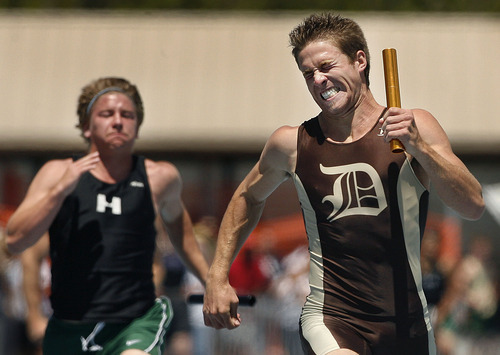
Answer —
389 56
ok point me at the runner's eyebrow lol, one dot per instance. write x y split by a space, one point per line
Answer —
322 64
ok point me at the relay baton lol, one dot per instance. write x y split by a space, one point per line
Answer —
244 300
392 88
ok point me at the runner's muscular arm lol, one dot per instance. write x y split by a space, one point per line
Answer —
430 146
166 185
275 165
51 185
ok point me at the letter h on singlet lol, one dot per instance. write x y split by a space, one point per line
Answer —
115 204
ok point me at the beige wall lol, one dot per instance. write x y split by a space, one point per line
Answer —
226 81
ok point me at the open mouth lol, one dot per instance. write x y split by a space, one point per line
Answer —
330 93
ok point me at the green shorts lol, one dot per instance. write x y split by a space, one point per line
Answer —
146 333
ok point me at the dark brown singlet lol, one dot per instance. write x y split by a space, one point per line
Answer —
364 211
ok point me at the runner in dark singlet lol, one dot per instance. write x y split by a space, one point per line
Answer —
100 211
364 207
360 194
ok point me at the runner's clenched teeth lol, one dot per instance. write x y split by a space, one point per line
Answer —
330 93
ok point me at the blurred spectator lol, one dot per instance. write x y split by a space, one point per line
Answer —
290 289
250 273
204 338
21 332
169 275
469 303
433 275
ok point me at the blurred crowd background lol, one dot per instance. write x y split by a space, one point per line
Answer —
460 259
